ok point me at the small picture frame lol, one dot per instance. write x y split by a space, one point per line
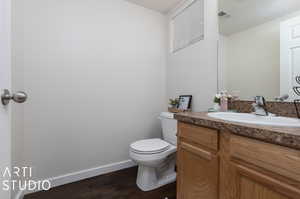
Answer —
185 102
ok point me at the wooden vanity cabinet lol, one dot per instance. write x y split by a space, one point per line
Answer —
197 163
219 165
264 171
253 184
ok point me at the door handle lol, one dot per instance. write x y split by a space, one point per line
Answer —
18 97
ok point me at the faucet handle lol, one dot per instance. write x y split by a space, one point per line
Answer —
260 100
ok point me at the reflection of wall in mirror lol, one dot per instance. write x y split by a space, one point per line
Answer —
249 61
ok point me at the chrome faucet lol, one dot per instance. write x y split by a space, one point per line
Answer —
259 106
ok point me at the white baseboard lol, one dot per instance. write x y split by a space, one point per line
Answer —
83 174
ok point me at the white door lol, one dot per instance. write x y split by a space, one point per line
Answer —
289 56
5 83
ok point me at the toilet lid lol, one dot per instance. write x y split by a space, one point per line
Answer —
150 146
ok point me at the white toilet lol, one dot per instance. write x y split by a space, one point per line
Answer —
156 157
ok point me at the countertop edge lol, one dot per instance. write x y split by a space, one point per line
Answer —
281 138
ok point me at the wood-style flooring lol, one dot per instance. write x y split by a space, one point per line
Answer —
116 185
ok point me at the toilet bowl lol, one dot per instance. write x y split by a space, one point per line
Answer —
156 157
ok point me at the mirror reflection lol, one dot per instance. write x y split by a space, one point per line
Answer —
259 47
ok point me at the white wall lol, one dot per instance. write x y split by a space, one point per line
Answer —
193 70
94 71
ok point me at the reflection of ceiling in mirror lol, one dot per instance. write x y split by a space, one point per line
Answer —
163 6
243 14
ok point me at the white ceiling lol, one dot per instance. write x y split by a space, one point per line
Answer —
163 6
249 13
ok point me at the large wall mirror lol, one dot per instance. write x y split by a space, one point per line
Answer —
259 47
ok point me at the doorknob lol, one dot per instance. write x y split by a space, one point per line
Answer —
18 97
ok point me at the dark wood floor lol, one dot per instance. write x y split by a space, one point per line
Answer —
117 185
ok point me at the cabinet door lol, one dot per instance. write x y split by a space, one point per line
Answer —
253 184
197 173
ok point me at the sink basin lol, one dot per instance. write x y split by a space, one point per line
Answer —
255 119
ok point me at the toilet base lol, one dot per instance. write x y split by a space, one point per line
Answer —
150 178
147 180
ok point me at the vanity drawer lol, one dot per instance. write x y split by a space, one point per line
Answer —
276 159
199 135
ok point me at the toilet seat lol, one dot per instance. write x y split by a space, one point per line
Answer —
149 146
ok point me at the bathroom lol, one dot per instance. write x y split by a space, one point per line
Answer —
86 89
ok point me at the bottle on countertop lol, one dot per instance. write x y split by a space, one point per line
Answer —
224 102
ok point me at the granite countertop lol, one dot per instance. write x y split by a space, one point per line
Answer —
284 136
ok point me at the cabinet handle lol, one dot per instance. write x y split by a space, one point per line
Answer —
195 150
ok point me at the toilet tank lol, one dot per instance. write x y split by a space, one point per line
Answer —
169 127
